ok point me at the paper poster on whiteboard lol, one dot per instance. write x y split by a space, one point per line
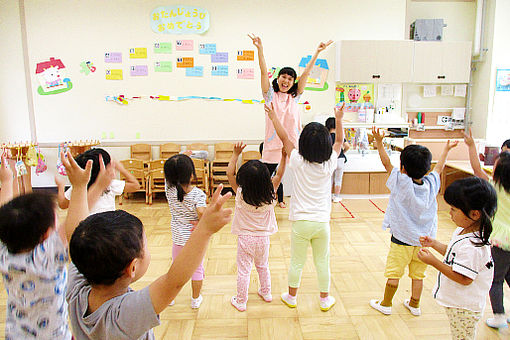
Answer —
355 96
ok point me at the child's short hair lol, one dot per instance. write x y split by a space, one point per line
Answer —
255 180
178 170
93 154
330 123
25 219
502 171
506 143
104 244
291 72
315 143
416 159
474 193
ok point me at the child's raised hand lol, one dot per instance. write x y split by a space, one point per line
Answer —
339 112
256 40
106 173
426 256
450 145
284 153
323 45
215 216
238 148
77 176
378 134
468 139
5 171
270 111
426 241
59 182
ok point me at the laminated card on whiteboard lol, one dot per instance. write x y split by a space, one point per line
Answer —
219 70
184 45
245 55
113 57
207 48
219 57
245 73
163 47
185 62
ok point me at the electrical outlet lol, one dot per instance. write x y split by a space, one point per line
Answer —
443 120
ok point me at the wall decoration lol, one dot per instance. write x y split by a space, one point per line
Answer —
207 48
245 73
51 77
163 66
184 45
355 96
503 80
139 70
163 47
179 19
219 70
317 79
138 53
246 55
114 74
185 62
219 57
196 71
87 67
113 57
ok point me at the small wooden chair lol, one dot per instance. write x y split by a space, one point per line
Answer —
139 174
141 151
132 164
222 154
250 155
168 150
202 172
197 146
155 183
156 164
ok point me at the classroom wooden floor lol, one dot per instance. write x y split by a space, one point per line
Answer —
358 253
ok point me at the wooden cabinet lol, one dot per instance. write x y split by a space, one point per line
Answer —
441 62
356 183
374 61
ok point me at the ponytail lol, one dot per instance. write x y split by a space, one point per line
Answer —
180 192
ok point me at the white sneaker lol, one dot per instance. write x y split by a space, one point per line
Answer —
375 304
239 306
268 297
336 198
195 303
327 303
498 321
288 300
415 311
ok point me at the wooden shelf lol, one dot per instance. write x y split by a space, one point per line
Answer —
377 125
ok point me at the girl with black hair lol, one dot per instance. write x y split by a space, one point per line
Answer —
254 221
465 274
187 204
284 94
500 237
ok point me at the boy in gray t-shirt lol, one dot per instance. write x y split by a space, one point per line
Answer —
411 213
109 252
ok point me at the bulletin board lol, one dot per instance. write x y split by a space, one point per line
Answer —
122 80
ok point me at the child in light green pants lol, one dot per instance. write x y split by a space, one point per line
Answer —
311 168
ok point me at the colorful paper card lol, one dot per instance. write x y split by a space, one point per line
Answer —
114 74
219 70
219 57
113 57
139 70
184 45
355 96
179 19
197 71
207 48
163 47
138 53
52 77
185 62
245 55
163 66
245 73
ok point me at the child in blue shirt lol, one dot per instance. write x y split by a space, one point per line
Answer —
411 214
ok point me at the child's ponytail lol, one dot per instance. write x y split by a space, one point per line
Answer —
179 170
180 192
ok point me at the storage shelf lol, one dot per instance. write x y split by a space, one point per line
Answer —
438 127
377 125
431 109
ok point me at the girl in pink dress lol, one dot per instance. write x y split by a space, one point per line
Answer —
284 94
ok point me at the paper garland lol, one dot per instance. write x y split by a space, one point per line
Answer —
123 100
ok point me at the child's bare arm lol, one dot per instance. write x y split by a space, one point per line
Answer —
6 179
473 156
427 257
105 176
232 164
132 183
200 212
280 130
442 159
385 159
277 179
167 286
339 129
63 202
433 243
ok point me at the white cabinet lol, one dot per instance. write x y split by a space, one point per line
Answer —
441 62
374 61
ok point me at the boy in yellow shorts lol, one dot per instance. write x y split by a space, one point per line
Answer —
411 213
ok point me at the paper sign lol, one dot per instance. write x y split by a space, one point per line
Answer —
163 66
185 62
138 53
219 70
245 73
138 135
207 48
179 19
113 57
219 57
447 90
460 90
163 47
115 74
246 55
184 45
197 71
139 70
429 90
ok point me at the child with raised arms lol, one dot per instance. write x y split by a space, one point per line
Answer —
254 221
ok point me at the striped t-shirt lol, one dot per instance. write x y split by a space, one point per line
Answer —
183 212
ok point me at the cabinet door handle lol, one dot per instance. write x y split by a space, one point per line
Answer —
441 77
377 76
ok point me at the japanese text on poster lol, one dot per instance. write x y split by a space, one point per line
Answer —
179 19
